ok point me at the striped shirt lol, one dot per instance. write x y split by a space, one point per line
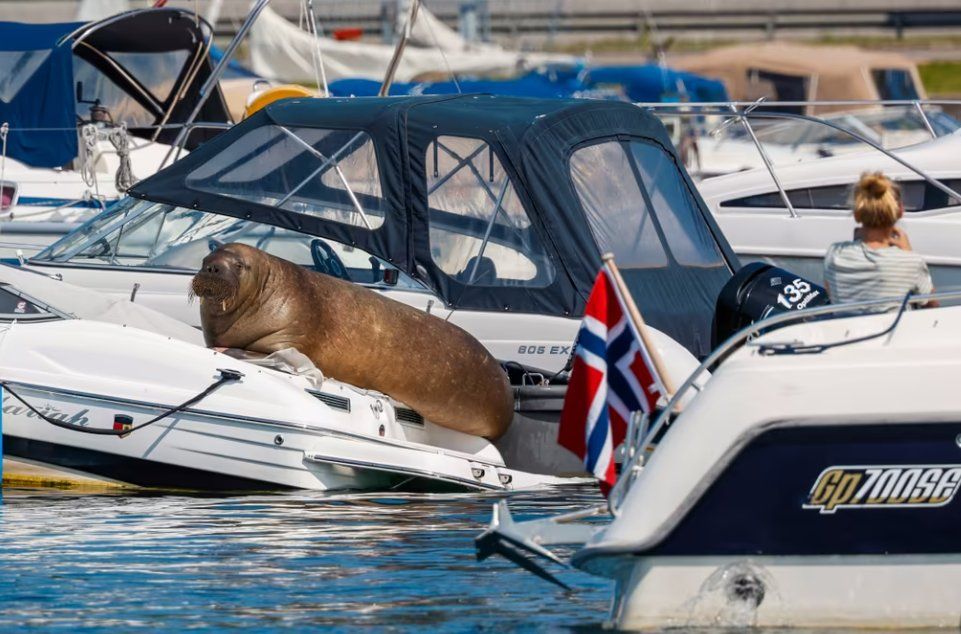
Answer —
855 272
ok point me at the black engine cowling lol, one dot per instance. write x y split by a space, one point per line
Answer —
759 290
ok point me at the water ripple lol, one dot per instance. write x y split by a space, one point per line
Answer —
388 562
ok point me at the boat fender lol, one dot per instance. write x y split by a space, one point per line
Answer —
123 430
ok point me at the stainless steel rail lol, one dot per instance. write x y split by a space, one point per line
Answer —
216 74
743 111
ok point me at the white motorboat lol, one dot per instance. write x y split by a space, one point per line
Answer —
751 209
70 385
811 481
87 109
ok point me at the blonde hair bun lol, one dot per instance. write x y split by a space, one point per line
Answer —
877 201
876 184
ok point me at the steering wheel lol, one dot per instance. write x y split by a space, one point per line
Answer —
327 261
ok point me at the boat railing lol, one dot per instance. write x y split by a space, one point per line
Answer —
742 112
642 434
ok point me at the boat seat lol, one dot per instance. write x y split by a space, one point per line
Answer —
486 272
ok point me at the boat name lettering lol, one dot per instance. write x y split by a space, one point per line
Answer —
850 487
13 408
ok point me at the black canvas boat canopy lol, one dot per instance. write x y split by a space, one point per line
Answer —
496 203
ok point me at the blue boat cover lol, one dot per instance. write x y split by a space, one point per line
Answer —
36 92
648 82
651 82
555 82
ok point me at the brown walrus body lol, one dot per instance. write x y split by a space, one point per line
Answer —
255 301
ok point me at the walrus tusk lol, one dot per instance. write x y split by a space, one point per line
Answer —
223 305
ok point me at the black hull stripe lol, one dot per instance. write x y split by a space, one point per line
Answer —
136 471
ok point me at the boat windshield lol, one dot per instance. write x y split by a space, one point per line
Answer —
145 234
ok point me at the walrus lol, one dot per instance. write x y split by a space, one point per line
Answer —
254 301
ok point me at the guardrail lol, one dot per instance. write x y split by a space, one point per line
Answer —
550 18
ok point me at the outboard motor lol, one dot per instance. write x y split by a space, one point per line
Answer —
759 290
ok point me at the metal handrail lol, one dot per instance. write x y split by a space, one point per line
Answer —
733 109
630 467
215 75
890 154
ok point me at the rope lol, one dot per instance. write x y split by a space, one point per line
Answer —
124 178
225 377
85 155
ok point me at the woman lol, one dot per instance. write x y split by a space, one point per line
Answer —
878 263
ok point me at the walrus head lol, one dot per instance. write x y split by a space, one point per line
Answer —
223 275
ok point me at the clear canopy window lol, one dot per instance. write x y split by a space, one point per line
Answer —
329 174
894 83
16 69
144 234
688 237
157 71
639 208
616 210
94 86
480 233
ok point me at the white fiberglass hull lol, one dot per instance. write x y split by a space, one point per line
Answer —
267 430
904 591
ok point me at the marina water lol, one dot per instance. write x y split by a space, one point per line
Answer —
399 562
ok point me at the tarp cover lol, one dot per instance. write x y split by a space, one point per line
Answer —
819 73
552 82
652 82
85 303
645 83
420 197
36 91
283 51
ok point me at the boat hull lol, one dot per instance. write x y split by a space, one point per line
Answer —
263 429
873 591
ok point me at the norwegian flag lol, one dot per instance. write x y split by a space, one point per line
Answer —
612 377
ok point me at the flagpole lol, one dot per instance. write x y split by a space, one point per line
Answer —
639 325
